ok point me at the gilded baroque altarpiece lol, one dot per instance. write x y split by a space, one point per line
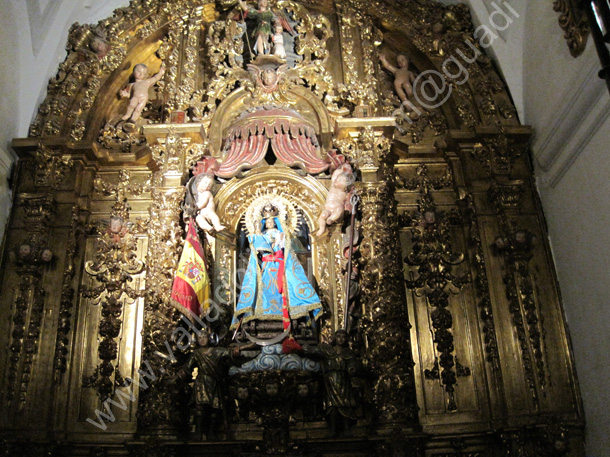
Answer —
438 329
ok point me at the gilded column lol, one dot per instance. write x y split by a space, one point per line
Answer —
158 409
385 321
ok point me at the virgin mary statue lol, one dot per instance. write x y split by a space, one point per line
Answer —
275 286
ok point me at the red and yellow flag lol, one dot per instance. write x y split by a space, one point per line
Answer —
191 289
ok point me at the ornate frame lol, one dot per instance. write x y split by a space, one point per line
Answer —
309 195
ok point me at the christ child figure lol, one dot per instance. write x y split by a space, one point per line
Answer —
334 208
206 217
403 77
278 42
138 90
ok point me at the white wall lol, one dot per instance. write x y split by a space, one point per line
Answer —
9 87
507 48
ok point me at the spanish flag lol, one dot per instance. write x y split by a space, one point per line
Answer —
191 289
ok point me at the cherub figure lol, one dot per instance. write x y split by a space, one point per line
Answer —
278 42
206 217
267 79
403 77
138 90
46 255
25 250
334 209
116 229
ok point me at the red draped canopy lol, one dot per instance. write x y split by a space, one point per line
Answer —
293 141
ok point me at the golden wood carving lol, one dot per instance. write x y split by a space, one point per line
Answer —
64 326
432 276
481 283
464 356
384 318
573 21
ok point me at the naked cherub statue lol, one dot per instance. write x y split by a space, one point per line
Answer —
206 217
403 77
138 90
334 208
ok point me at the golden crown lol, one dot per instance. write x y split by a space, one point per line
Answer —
269 211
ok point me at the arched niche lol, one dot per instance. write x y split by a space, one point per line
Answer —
308 195
108 104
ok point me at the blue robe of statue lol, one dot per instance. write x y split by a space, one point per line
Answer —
259 297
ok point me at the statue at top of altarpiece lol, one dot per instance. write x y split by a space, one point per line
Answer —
266 30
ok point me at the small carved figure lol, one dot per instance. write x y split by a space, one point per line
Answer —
334 208
278 42
275 286
274 418
304 402
267 22
428 221
138 90
208 393
267 79
339 364
99 46
25 250
117 228
403 77
46 255
206 217
264 20
243 403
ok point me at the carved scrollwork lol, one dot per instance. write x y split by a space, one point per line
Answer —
433 260
573 21
157 405
64 319
306 191
481 284
121 189
114 266
357 90
507 195
497 154
51 168
29 256
516 248
25 335
368 148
